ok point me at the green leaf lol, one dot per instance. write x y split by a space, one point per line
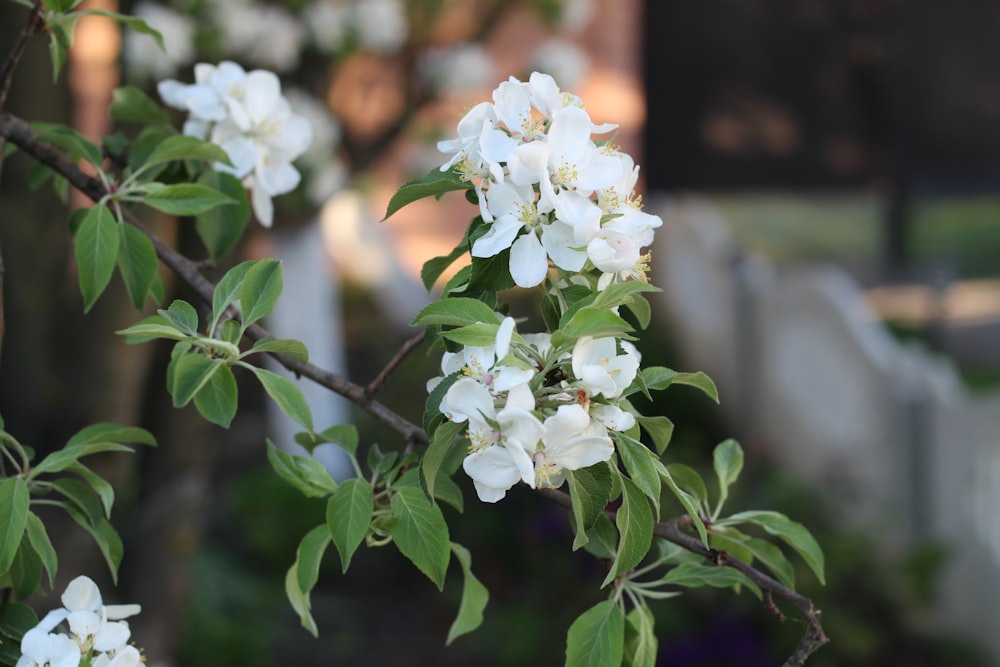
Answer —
434 267
434 184
304 573
185 199
687 500
228 290
14 498
101 487
474 597
182 314
602 538
137 263
590 491
216 401
221 228
594 322
106 538
794 534
660 430
71 141
111 432
455 312
15 620
61 459
432 409
344 436
727 459
192 372
289 347
154 326
25 571
473 335
348 515
658 377
635 525
620 294
688 479
288 397
61 34
641 310
420 533
641 466
42 545
96 249
132 105
60 6
82 497
304 473
261 288
696 575
597 637
733 542
437 451
640 639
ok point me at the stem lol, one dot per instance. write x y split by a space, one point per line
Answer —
393 364
31 26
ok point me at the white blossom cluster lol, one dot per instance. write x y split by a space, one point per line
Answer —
96 634
246 115
533 413
549 191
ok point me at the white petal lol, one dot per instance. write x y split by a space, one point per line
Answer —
127 657
504 333
112 635
558 240
277 178
528 262
263 208
115 612
499 237
84 623
494 468
82 594
468 399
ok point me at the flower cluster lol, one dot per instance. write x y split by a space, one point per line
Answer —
547 190
534 411
97 635
245 114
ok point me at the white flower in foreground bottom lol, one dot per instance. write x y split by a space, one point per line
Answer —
125 656
571 441
601 369
41 648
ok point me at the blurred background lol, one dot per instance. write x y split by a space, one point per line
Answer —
828 172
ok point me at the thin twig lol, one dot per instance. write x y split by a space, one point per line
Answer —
672 532
31 26
393 364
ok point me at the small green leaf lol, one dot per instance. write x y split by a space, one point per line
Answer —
590 491
25 571
137 263
111 432
432 409
14 498
602 538
101 487
295 349
455 312
182 314
688 479
635 525
216 401
597 637
288 397
185 199
620 294
727 459
60 6
596 323
304 473
348 515
133 22
434 184
473 335
96 249
687 500
260 290
658 377
15 620
660 430
191 373
221 228
71 141
61 459
696 575
304 573
794 534
732 541
61 38
434 267
420 533
641 466
132 105
228 290
82 497
474 597
42 545
344 436
640 638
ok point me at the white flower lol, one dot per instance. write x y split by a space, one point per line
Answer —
501 440
328 24
125 656
41 648
612 417
143 56
599 367
564 61
571 441
458 68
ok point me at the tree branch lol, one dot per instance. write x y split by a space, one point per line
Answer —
31 26
394 363
672 531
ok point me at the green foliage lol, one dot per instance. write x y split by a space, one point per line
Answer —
13 518
303 574
420 533
634 520
304 473
434 184
96 250
597 637
474 597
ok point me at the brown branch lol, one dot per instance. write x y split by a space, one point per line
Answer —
21 134
672 531
393 364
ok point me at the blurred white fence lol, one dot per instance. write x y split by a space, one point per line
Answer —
887 432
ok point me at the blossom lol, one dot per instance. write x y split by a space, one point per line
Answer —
599 367
380 25
571 441
327 24
458 68
42 648
246 115
143 56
